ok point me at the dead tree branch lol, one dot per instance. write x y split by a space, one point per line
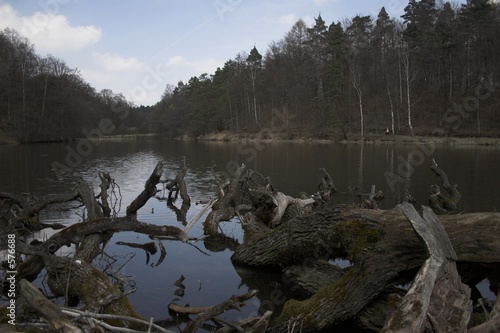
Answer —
224 208
148 192
234 302
443 202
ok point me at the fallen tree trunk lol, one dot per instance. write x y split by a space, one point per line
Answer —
381 244
73 278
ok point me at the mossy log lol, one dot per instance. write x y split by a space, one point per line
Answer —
75 278
381 244
67 277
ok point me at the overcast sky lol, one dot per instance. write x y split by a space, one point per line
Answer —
138 47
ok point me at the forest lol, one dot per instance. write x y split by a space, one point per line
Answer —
433 71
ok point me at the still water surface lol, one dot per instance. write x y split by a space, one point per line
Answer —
397 170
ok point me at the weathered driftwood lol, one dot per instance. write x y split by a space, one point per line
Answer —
48 310
381 244
75 233
492 324
326 187
264 206
233 303
93 320
89 247
20 208
149 191
270 208
446 202
187 310
437 300
198 215
224 208
178 185
88 235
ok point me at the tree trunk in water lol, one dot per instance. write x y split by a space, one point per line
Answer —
381 244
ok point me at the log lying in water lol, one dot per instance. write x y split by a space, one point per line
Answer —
381 244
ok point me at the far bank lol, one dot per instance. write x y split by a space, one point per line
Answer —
270 137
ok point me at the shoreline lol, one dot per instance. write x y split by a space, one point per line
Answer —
352 139
268 137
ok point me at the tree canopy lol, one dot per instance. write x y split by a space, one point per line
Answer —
433 71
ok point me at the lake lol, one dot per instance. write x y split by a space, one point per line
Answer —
210 278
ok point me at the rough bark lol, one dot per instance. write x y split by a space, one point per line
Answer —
89 247
24 207
492 324
75 278
68 277
224 208
178 185
48 310
381 244
446 202
149 191
437 299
